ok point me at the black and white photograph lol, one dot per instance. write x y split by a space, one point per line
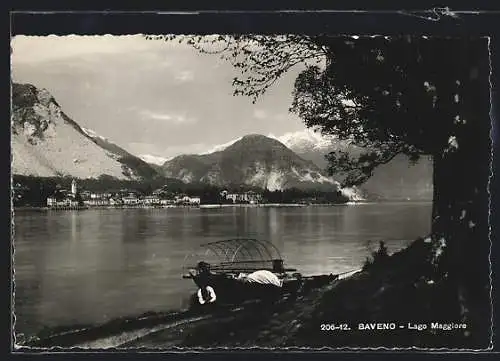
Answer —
250 191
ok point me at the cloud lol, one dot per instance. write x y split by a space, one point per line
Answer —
170 118
281 116
263 114
36 49
165 64
184 76
157 116
260 114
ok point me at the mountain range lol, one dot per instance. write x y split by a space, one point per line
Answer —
399 179
47 142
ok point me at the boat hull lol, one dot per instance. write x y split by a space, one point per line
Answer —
230 290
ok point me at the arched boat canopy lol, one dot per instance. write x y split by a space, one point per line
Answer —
243 255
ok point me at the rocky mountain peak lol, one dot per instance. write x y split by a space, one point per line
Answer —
254 160
27 95
257 140
46 142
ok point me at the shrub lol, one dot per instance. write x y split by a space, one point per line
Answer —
378 257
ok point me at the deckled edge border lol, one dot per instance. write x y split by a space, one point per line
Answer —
27 349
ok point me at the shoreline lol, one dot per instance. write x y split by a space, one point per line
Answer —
212 206
122 330
396 289
202 206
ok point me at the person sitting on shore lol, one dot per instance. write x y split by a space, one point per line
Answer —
206 295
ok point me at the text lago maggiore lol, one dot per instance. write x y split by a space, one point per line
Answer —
412 326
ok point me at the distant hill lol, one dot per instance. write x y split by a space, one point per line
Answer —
254 160
396 180
46 142
400 180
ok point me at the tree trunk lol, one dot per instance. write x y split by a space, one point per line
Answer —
460 228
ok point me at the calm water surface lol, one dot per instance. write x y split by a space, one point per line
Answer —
80 267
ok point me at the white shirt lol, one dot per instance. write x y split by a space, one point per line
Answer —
211 293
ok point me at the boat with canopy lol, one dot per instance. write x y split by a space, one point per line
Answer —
241 268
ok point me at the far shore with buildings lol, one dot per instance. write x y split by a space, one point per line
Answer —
37 195
79 199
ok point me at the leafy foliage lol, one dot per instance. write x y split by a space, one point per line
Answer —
294 195
413 95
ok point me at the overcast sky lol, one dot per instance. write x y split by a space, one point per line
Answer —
150 97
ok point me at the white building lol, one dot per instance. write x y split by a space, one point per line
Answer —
51 202
187 200
167 202
115 202
194 201
130 200
246 197
151 200
66 202
96 202
98 195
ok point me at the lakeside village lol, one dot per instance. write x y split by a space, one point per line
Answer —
162 197
69 193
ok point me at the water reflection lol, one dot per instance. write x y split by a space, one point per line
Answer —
91 266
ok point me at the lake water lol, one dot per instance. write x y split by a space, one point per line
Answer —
81 267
